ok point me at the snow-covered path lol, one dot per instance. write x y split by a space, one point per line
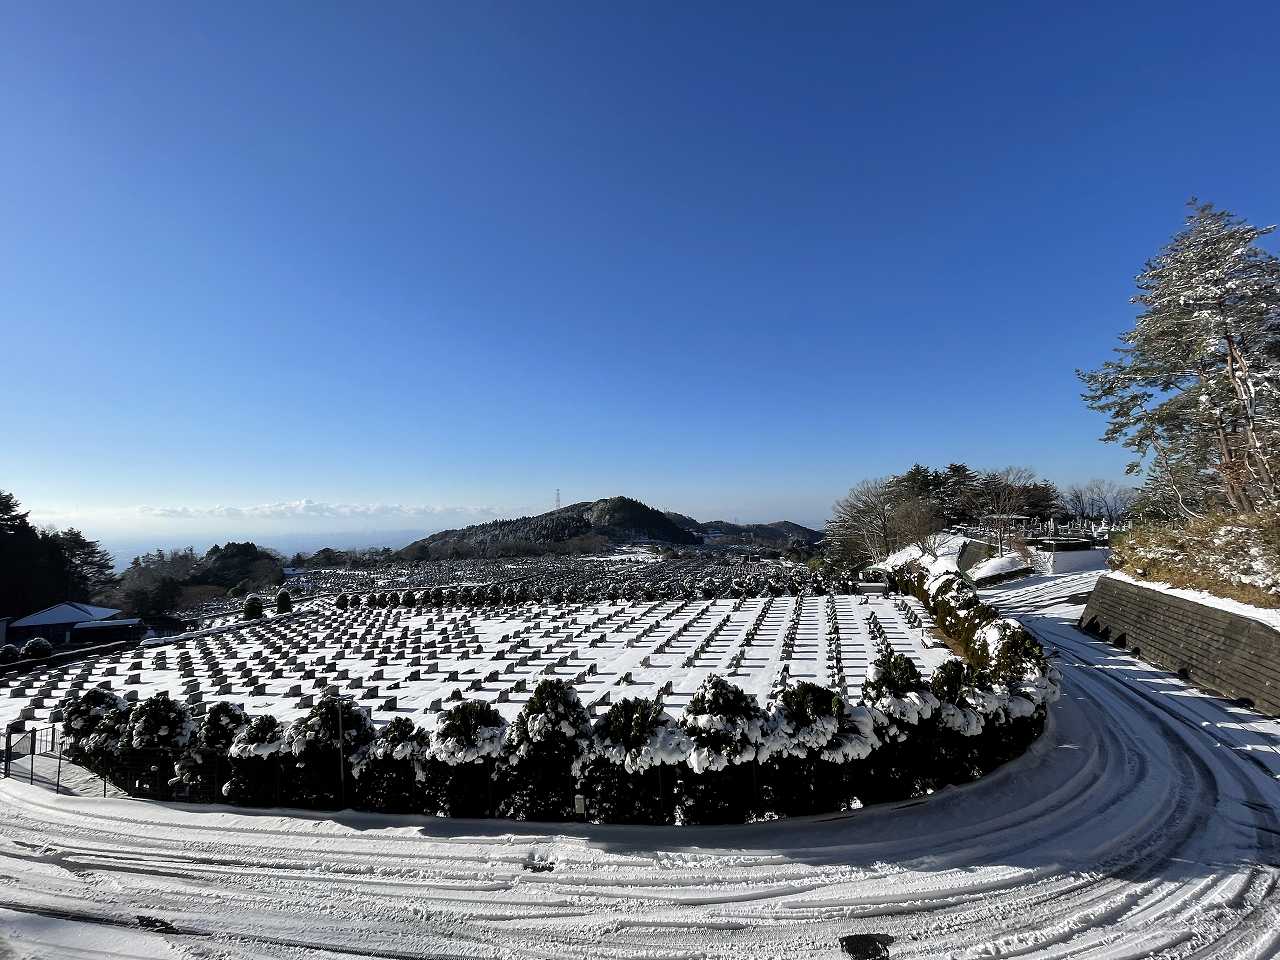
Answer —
1145 822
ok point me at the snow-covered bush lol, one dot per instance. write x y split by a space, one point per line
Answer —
545 748
82 715
8 653
37 648
256 759
459 770
807 758
323 744
203 766
903 711
284 602
154 736
726 726
625 781
386 770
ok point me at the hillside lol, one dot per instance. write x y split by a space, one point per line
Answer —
591 526
580 527
776 535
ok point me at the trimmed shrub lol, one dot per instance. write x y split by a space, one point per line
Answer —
323 744
37 648
899 700
252 608
284 602
153 738
385 771
407 599
624 781
721 784
805 770
256 758
545 747
204 766
82 715
8 653
342 601
468 742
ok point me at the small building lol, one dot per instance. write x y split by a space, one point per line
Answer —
95 632
57 623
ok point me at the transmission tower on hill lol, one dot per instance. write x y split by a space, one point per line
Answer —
557 498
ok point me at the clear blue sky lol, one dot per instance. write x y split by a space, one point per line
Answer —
727 258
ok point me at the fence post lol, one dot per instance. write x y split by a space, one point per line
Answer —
58 788
8 746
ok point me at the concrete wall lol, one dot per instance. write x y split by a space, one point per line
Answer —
1225 652
1073 561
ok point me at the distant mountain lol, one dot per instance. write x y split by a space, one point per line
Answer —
595 525
586 526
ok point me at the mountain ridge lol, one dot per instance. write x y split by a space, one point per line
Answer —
591 526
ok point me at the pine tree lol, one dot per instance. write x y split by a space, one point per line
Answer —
545 746
1194 389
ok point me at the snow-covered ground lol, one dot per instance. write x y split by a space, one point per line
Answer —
401 662
1144 823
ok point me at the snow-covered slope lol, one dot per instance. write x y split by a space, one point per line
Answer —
1143 824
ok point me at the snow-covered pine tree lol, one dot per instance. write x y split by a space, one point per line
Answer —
203 767
726 725
905 713
459 771
386 770
545 748
157 733
323 744
82 714
1195 386
635 755
800 773
256 758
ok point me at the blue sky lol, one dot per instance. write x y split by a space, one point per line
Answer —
421 263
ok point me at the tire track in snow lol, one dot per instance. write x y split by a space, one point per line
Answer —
1144 822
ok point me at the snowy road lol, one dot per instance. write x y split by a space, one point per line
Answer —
1146 822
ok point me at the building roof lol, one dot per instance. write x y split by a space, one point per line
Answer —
65 612
102 624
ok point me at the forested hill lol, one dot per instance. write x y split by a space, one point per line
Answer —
591 526
777 535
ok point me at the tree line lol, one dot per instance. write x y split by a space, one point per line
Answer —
43 566
882 515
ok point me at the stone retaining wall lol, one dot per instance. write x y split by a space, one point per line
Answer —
1226 652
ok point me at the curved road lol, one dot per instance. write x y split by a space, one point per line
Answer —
1146 822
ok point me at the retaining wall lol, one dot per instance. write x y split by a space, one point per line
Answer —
1227 652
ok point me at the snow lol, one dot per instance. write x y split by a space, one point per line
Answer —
947 549
424 658
1143 823
997 566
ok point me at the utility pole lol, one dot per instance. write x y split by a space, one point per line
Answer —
557 498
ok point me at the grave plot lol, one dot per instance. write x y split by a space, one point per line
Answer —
416 662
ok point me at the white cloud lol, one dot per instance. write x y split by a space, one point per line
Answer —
306 509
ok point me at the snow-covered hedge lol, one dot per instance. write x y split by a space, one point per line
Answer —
725 759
